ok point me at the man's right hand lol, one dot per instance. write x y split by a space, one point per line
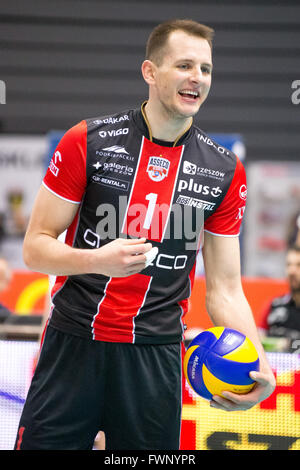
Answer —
43 252
120 258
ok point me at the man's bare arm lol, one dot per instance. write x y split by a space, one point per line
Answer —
42 252
228 306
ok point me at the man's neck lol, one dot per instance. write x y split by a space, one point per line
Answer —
162 126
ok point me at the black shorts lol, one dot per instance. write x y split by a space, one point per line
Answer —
131 392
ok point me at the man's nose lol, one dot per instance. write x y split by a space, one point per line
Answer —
197 75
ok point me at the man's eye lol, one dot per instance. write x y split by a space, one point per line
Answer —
184 66
205 70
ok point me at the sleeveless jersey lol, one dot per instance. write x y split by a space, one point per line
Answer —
126 184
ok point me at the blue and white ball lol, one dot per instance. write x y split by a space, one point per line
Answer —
220 359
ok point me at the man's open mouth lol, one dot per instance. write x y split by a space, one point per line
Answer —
190 94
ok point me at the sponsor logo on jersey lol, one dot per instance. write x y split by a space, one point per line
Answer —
243 192
240 213
104 180
92 238
189 168
216 192
115 151
158 168
209 142
97 165
169 262
114 167
53 164
192 169
195 187
114 132
194 202
112 120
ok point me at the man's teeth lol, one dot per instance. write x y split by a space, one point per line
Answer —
189 92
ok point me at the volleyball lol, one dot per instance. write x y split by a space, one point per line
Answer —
220 359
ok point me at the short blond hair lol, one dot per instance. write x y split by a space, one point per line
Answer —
158 38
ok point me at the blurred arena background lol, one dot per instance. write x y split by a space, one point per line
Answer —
63 61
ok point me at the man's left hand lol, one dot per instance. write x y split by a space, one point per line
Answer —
264 387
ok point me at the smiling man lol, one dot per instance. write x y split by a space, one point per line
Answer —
112 351
178 72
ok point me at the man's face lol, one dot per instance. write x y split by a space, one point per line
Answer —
183 79
293 270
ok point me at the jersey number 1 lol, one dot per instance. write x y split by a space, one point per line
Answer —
152 198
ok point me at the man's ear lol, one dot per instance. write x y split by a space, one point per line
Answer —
148 71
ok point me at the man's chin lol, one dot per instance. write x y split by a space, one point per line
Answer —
191 110
188 113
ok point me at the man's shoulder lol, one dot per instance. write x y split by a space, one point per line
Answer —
121 118
209 145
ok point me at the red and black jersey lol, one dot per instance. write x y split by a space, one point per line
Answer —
127 184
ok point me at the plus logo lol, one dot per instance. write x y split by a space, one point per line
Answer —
97 165
215 192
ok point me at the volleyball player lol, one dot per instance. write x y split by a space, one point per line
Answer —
121 185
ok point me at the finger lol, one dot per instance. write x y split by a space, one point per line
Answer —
240 401
138 249
151 255
234 397
222 403
259 377
229 405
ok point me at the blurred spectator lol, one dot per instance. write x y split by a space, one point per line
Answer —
280 324
16 220
5 277
13 224
293 235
